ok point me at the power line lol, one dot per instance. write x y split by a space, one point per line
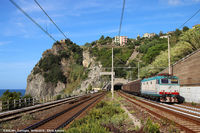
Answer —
190 18
50 18
32 20
120 26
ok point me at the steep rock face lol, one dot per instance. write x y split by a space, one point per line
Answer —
87 60
94 78
37 86
51 74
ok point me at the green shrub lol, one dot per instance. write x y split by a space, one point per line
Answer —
50 66
47 63
58 97
153 52
88 128
27 96
117 120
54 75
103 113
151 127
194 104
7 95
101 104
36 70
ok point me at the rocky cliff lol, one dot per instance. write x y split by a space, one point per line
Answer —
52 74
94 79
65 68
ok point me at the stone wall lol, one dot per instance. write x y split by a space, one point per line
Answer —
187 70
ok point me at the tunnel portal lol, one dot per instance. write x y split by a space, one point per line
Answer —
118 86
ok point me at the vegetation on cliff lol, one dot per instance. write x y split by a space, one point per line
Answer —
62 63
188 42
152 52
101 49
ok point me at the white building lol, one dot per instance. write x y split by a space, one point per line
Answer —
165 36
122 40
193 27
149 35
62 41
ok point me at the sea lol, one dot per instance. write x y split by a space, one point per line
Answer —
13 90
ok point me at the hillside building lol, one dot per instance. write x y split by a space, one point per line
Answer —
121 40
193 27
164 36
149 35
138 36
170 32
62 41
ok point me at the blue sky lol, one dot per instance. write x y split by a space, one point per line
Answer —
22 43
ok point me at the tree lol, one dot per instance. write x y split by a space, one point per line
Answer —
177 32
138 37
88 44
192 37
161 33
7 95
108 40
185 28
153 52
101 38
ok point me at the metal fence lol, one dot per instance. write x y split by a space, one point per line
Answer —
16 104
24 102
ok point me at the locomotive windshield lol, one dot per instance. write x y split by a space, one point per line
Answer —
164 81
174 81
169 81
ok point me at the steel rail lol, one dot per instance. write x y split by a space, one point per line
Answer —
14 114
130 99
42 122
77 114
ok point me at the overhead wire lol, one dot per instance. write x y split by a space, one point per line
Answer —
121 19
32 20
190 18
50 19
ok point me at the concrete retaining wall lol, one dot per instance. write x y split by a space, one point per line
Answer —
191 94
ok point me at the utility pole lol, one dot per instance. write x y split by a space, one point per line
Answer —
138 70
169 63
112 78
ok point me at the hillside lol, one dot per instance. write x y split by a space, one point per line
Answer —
150 52
68 68
141 49
188 41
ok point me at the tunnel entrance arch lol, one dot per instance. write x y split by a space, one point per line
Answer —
118 86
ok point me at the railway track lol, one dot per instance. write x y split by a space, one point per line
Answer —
63 117
187 118
188 107
14 114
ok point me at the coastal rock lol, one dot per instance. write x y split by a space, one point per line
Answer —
94 78
51 74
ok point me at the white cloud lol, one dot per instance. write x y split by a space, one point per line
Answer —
32 7
87 4
180 2
4 42
43 21
110 31
174 2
